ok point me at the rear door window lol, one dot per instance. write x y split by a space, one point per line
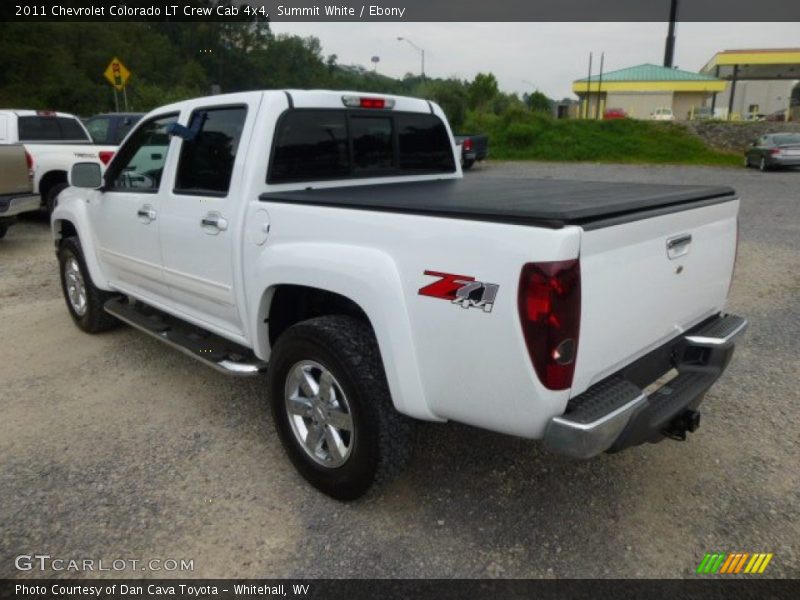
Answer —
206 162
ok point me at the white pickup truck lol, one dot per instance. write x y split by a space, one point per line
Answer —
329 239
54 141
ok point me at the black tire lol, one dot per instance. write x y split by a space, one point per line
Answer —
3 231
51 197
382 438
466 165
94 319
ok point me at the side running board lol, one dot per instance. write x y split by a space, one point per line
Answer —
213 350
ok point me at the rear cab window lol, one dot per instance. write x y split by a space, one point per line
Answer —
330 144
41 128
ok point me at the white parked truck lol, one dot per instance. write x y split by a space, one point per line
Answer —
53 141
329 239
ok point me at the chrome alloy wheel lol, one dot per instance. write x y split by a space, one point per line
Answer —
76 288
319 414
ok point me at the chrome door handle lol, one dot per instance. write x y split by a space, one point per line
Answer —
678 245
146 214
213 223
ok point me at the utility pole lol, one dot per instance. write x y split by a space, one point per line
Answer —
599 86
418 49
669 49
588 89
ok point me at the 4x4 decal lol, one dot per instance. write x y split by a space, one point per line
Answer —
462 290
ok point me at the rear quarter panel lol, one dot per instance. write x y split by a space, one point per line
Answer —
442 361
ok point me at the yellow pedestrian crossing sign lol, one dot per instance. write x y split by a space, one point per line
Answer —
117 74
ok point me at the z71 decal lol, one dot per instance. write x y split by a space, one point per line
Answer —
462 290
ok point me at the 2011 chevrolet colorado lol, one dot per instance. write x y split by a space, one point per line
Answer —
329 239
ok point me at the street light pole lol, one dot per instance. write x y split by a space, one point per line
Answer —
418 49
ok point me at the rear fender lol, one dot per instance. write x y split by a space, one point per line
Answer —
366 276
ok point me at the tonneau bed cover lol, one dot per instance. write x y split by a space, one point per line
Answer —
545 202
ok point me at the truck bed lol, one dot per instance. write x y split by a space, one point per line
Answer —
544 202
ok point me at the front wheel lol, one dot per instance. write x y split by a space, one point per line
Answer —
332 409
84 300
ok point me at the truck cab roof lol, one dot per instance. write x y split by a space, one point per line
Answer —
314 99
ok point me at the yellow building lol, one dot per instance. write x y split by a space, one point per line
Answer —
758 81
644 89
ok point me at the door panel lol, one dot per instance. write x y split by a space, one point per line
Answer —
126 216
198 218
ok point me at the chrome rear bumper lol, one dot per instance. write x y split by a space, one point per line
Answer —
11 207
617 413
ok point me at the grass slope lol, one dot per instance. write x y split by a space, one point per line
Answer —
527 136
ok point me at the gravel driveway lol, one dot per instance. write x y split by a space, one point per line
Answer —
116 447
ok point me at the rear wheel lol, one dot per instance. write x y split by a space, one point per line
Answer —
467 164
332 408
3 231
84 300
51 197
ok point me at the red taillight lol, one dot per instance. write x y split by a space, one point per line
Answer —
106 156
29 160
372 103
468 144
550 311
367 102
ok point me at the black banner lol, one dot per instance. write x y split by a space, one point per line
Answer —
397 10
405 589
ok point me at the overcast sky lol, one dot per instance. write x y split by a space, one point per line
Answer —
549 55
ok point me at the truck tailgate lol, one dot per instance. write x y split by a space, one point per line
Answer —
646 281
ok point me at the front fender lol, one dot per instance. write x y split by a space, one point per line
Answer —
72 208
366 276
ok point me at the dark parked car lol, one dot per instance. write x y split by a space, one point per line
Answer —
473 148
109 129
614 113
774 150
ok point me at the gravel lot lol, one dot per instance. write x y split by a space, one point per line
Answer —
114 446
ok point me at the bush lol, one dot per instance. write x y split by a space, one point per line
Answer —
519 134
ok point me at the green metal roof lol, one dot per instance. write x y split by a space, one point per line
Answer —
649 72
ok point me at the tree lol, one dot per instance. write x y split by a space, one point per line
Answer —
538 102
482 91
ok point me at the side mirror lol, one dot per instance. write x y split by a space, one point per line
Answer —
86 175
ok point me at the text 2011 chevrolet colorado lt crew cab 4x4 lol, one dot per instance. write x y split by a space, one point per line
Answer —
329 239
